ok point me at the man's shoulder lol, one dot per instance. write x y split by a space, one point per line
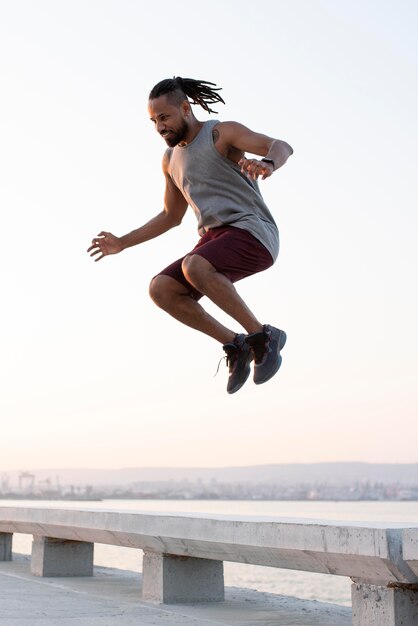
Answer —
225 135
228 128
227 124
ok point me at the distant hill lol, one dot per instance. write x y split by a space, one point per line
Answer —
281 474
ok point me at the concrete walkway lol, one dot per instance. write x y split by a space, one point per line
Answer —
112 598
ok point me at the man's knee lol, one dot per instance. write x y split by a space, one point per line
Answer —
195 268
163 290
158 290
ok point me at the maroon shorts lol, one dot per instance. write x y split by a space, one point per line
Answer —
232 251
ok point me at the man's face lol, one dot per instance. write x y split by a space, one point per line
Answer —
170 120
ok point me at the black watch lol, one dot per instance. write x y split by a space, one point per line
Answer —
269 161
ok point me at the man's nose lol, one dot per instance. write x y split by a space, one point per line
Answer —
160 127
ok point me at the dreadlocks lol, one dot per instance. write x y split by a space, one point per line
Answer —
179 89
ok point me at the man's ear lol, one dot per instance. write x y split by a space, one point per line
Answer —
186 108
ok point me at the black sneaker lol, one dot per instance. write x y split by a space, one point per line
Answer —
266 346
238 358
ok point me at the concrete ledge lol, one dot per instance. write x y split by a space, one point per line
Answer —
365 552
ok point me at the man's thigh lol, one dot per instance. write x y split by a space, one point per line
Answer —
232 251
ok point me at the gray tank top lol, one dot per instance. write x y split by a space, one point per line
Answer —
218 192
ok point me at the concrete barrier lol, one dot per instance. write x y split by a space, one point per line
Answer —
184 554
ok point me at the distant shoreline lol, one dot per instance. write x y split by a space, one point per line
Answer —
201 499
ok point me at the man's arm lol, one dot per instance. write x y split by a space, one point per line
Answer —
238 139
175 207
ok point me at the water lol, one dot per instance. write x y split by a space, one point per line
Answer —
320 587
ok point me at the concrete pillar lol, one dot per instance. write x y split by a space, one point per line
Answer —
384 606
59 557
6 546
179 579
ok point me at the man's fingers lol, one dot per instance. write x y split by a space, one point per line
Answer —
97 251
96 241
254 168
94 247
98 246
249 166
99 238
246 166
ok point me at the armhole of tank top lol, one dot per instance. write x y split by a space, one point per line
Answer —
169 154
234 165
167 158
211 125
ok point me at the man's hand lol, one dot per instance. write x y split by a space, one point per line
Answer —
255 168
104 244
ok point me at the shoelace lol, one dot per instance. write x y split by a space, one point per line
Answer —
229 358
219 364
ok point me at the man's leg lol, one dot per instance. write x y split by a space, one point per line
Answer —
173 297
233 250
266 341
218 288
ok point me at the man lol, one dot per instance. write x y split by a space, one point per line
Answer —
205 167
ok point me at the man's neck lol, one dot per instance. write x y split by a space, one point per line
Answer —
193 130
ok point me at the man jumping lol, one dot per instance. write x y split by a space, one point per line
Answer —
205 167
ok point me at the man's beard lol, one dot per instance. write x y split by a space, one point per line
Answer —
175 137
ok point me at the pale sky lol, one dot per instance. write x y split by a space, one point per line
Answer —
93 374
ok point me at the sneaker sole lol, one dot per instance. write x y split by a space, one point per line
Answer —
282 343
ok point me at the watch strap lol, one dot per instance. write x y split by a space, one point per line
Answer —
269 161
